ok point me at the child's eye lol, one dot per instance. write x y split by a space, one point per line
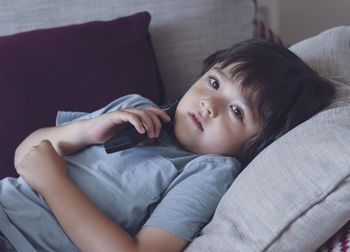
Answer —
214 83
238 112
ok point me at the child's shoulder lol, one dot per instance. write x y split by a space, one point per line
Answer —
215 163
133 100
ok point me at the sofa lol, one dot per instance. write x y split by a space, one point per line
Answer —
80 55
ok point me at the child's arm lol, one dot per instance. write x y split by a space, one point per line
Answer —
46 172
70 138
65 139
82 221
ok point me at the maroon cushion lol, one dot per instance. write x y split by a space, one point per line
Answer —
78 68
340 242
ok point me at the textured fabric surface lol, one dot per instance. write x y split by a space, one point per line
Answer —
329 55
79 67
5 245
184 32
340 242
296 193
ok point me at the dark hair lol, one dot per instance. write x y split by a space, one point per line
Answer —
288 92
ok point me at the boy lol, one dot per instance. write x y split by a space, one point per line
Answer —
156 197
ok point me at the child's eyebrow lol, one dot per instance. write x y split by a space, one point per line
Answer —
247 103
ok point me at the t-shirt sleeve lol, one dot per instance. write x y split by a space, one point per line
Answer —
191 199
132 100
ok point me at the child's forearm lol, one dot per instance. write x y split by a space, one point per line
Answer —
83 222
46 172
72 137
66 139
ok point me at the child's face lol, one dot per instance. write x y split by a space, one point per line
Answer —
214 116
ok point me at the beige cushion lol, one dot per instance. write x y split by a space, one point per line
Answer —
296 193
184 32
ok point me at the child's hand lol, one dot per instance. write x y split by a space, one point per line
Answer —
104 127
42 167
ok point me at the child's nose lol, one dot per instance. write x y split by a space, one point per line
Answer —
209 108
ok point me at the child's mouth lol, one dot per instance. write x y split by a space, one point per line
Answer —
195 121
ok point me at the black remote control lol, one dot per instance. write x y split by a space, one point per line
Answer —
130 137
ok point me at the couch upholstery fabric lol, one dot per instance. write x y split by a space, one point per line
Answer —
184 32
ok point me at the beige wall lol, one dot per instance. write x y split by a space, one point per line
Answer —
295 20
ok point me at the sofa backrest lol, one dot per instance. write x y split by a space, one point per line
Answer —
183 32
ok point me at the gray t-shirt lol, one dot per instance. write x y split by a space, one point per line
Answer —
161 185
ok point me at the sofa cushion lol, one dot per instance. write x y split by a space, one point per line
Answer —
184 33
339 242
80 67
295 194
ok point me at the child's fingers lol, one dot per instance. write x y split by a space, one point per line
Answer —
158 116
127 116
160 113
157 125
148 120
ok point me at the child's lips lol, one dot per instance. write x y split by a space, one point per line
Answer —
196 120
